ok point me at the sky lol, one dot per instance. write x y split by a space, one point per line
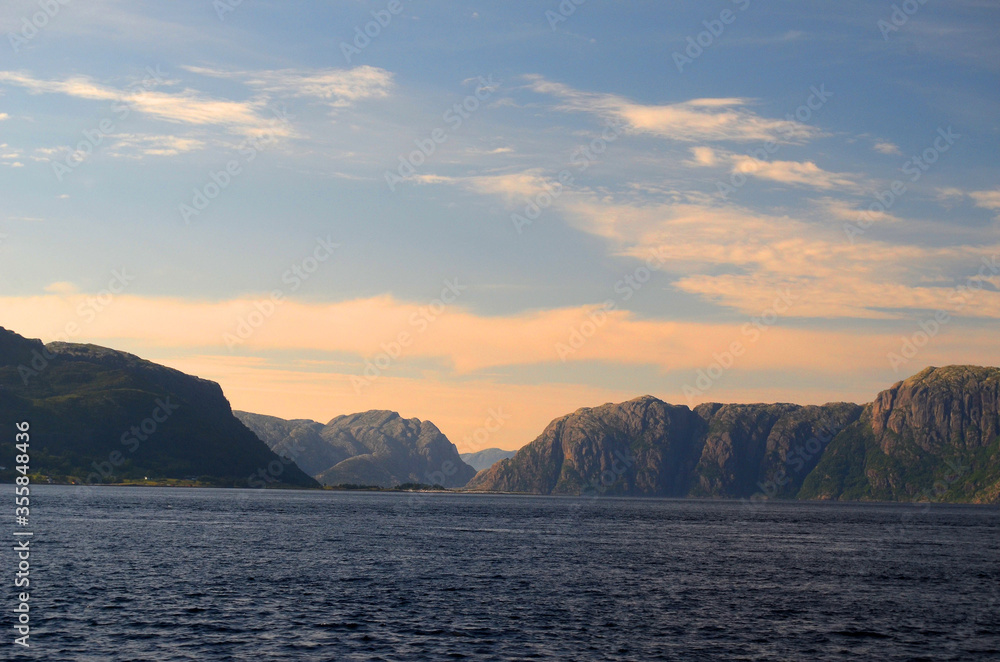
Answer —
489 215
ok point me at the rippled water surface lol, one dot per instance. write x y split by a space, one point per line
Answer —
188 574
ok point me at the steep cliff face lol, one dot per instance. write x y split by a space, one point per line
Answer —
934 436
938 408
650 448
641 446
796 443
535 469
298 439
733 449
100 415
767 449
370 448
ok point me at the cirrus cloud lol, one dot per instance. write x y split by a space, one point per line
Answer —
710 119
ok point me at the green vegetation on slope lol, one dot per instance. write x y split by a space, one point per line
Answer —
101 416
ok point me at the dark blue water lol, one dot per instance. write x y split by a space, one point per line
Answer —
187 574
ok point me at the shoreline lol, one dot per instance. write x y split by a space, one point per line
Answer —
459 491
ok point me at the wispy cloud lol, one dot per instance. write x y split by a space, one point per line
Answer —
9 156
46 154
983 199
183 107
134 146
63 288
714 119
841 210
514 187
950 193
338 87
702 157
793 172
987 199
740 259
460 341
886 147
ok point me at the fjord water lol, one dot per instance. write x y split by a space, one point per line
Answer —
192 574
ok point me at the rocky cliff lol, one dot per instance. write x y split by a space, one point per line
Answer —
650 448
933 436
370 448
98 416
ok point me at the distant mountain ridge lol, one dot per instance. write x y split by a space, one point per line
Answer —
647 447
98 415
486 458
933 436
369 448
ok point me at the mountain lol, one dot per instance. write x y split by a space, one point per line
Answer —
764 448
370 448
646 447
298 439
486 458
933 436
637 447
99 415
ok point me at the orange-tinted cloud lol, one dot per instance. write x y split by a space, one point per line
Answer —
465 348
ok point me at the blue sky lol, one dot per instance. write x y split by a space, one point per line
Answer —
171 93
